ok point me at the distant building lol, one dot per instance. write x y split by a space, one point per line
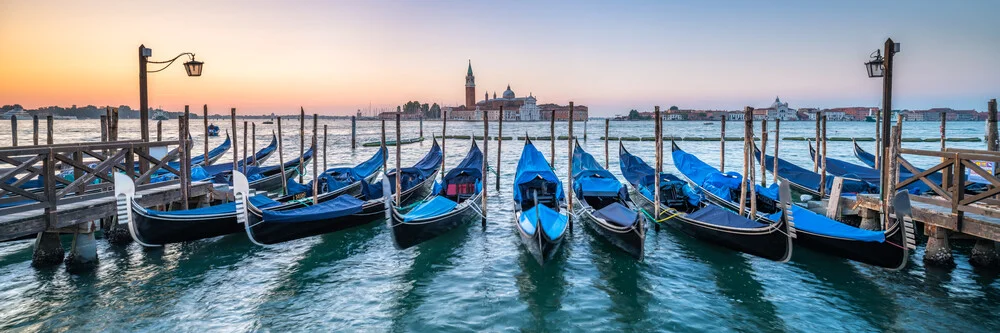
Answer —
514 108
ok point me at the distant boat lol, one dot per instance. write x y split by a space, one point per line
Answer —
213 130
269 122
19 113
870 119
708 123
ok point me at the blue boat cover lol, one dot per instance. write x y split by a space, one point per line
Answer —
419 172
437 205
590 178
618 214
294 188
719 216
633 167
259 201
471 165
811 180
337 178
533 165
640 175
216 169
809 221
711 180
200 158
553 223
340 206
850 170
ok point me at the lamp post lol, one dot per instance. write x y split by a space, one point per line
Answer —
879 67
192 67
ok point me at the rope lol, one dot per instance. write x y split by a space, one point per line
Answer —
650 216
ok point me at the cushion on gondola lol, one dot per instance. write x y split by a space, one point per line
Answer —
294 188
618 214
431 208
811 222
553 223
259 201
722 217
343 205
598 186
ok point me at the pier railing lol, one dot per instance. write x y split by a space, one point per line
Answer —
91 179
953 167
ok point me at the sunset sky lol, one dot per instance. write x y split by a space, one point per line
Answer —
334 57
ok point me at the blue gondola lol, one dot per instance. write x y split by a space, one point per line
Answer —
845 169
213 130
270 225
603 205
808 182
538 197
454 201
869 160
682 208
889 248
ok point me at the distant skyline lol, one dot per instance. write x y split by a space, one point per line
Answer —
336 57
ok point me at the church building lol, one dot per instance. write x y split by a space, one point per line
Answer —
514 108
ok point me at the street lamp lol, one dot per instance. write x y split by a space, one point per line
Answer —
192 67
879 67
876 67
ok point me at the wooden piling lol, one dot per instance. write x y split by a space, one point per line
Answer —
552 139
399 178
244 147
777 140
763 150
944 118
159 130
325 140
104 129
584 130
421 126
302 143
49 129
182 149
821 155
236 151
385 161
34 129
878 140
747 121
204 116
112 125
499 146
444 135
315 174
281 162
816 140
13 130
658 155
354 132
253 142
992 136
607 126
748 155
486 142
569 168
722 146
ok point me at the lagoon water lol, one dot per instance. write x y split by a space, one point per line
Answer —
476 279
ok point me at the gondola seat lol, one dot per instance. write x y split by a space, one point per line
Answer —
545 190
618 214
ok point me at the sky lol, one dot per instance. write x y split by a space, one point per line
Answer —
334 57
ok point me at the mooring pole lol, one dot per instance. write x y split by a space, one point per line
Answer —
245 156
315 173
253 142
944 118
13 130
816 140
878 139
399 178
499 146
354 132
585 129
486 142
185 175
34 127
658 145
421 126
281 162
992 137
159 130
552 139
747 121
748 161
204 115
236 151
722 145
887 113
821 155
607 126
385 161
49 130
569 168
763 150
302 143
104 129
444 136
325 141
777 140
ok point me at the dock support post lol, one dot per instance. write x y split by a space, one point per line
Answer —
984 253
48 249
585 130
354 132
938 251
104 129
13 130
878 140
84 247
869 219
34 128
499 151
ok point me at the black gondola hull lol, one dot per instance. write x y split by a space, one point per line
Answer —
631 240
539 245
888 254
155 230
409 234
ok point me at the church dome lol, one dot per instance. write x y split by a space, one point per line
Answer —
508 93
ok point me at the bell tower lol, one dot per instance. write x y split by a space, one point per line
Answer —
470 88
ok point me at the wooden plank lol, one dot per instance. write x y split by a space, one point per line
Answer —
833 206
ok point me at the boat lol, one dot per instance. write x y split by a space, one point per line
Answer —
271 225
708 123
846 169
454 201
684 209
392 142
257 159
889 248
213 130
808 182
268 178
18 113
603 205
150 227
865 157
538 197
868 159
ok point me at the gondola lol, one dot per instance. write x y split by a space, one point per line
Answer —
869 160
808 182
888 249
603 205
538 197
302 218
213 155
150 227
213 130
268 178
682 208
257 159
454 201
846 169
865 157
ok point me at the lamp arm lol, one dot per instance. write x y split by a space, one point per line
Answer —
169 62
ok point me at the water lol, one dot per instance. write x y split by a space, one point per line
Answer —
482 279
